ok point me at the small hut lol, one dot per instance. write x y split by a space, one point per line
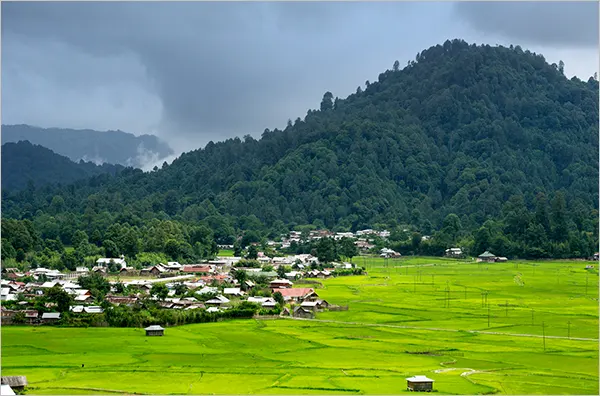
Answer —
15 382
419 383
155 331
487 257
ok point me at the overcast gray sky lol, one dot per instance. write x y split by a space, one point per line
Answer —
195 72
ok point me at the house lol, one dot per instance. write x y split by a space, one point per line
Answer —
17 383
118 300
82 270
76 308
6 295
196 268
389 253
301 312
293 275
50 317
154 331
487 257
212 309
247 285
99 270
105 262
155 270
297 294
596 256
233 291
217 301
501 259
315 305
419 383
454 253
207 290
173 266
93 309
31 316
265 302
82 298
280 284
126 271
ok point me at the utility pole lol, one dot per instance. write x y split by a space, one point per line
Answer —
532 317
488 316
432 280
506 312
544 334
465 292
415 283
569 329
586 282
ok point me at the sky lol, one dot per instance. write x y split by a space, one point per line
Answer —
192 72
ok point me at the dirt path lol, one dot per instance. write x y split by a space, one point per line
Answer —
438 329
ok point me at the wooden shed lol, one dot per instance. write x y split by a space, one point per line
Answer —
419 383
155 331
15 382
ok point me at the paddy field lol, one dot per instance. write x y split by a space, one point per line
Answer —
511 328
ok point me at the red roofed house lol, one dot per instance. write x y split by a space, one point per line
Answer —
297 294
196 268
218 278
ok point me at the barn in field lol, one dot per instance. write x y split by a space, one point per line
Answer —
419 383
154 331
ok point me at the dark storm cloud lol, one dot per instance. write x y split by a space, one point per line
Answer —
219 70
553 24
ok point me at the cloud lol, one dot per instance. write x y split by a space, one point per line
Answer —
191 72
552 24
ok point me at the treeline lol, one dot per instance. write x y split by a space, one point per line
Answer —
461 130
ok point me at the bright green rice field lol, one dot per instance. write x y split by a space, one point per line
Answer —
399 324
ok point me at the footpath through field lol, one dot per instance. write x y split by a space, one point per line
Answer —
438 329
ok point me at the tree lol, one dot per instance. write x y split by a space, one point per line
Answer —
180 289
326 251
19 318
79 237
327 102
62 299
281 272
172 249
159 290
237 249
96 238
278 297
119 288
396 66
71 260
560 229
110 249
561 67
240 275
347 248
20 256
252 252
95 283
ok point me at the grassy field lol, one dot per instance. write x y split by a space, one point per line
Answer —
399 323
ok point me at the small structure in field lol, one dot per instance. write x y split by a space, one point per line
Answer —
487 257
17 383
419 383
154 331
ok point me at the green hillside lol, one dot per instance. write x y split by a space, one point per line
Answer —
495 135
24 163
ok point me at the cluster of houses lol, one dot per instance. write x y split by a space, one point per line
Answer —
214 277
361 237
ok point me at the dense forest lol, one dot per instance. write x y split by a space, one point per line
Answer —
478 146
112 147
24 163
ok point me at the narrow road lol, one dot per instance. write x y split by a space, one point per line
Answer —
438 329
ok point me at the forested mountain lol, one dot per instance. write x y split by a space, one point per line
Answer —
112 147
24 162
495 135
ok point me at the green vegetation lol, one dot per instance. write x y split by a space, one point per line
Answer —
371 355
486 147
24 163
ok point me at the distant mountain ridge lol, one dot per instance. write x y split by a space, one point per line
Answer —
112 147
23 162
